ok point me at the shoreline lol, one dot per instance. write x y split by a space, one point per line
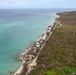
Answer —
58 55
30 56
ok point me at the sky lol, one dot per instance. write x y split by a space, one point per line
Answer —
6 4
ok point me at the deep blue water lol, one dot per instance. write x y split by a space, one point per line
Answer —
19 28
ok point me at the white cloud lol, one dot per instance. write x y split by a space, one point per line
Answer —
34 3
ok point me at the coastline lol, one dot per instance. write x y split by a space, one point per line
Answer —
33 57
19 34
58 55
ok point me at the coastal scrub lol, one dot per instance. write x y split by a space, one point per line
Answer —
58 57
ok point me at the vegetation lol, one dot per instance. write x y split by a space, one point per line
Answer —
68 17
58 57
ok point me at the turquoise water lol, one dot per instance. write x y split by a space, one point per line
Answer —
19 28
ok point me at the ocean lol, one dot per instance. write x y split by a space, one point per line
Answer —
18 29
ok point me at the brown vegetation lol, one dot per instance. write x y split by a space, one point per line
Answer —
67 17
60 50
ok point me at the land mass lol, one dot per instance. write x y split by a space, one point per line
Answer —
58 57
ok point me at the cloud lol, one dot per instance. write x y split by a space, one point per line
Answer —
36 3
22 3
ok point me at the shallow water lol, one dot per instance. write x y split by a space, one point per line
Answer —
19 28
